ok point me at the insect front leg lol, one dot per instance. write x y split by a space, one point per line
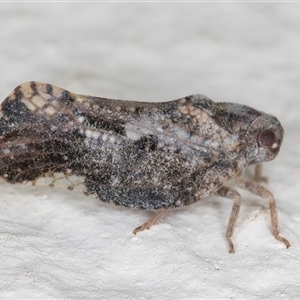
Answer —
256 189
232 194
154 220
258 177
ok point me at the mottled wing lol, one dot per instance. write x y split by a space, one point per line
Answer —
36 132
144 155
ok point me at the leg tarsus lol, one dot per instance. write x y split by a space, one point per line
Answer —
154 220
231 247
283 240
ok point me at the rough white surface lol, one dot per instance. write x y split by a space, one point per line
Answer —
58 244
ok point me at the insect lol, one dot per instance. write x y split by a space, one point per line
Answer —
154 156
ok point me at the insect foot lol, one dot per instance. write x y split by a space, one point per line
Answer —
153 156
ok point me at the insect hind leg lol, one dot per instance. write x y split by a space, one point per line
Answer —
154 220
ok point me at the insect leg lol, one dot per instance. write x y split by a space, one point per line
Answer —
258 174
256 189
154 220
230 193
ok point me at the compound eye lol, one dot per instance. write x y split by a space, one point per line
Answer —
267 138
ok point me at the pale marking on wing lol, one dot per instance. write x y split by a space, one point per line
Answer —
81 119
50 110
92 134
38 101
59 180
26 90
104 137
195 112
28 104
80 98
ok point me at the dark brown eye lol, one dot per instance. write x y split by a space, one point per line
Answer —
267 138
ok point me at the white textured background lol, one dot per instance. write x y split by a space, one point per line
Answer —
59 244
